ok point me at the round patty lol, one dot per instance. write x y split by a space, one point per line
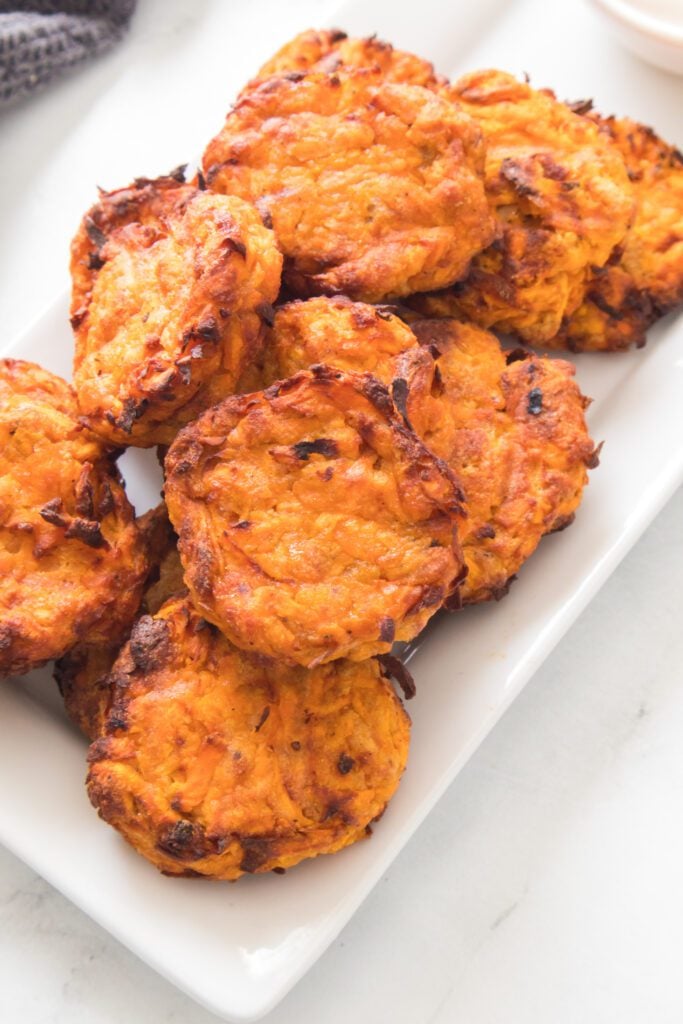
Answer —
511 425
563 201
312 523
215 762
170 285
373 188
72 561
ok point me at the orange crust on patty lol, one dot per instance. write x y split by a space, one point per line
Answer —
215 762
563 201
72 561
373 189
170 287
511 425
312 523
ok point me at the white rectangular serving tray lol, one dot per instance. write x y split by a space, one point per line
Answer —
238 949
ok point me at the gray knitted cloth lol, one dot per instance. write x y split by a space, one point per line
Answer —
40 39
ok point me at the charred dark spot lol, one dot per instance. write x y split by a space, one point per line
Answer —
150 642
535 402
95 234
345 764
393 668
132 411
95 262
295 745
51 513
324 446
264 718
88 531
279 871
515 355
265 214
85 505
267 313
243 524
377 394
77 318
399 393
429 597
208 330
438 387
184 840
552 170
178 173
201 182
334 80
485 532
519 176
581 106
321 373
255 853
236 245
294 76
117 721
387 630
453 602
593 460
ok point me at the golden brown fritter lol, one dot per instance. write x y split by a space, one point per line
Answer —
512 427
83 673
331 50
373 188
563 201
643 278
312 523
72 562
169 288
215 762
349 335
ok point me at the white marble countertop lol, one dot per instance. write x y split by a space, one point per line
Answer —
545 886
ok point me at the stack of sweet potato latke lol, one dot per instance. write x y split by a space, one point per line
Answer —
303 329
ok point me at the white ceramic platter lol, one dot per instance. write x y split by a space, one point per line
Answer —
237 949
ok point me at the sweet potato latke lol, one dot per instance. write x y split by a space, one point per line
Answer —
72 561
373 188
332 50
514 434
511 426
312 523
83 673
643 278
345 334
169 287
563 201
215 762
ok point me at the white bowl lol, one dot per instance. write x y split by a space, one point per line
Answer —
652 29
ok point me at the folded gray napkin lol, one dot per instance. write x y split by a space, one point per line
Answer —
40 39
